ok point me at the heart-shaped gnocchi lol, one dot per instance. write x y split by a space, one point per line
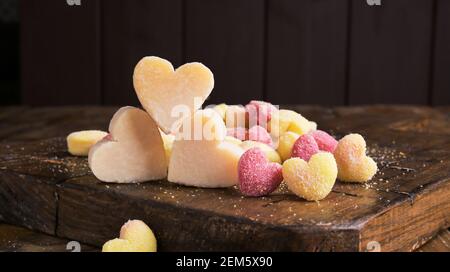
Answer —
353 163
201 156
271 153
161 89
133 151
311 180
257 175
135 236
288 120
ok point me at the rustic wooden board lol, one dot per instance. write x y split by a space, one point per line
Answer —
193 219
29 173
440 243
401 208
227 36
25 124
306 51
16 239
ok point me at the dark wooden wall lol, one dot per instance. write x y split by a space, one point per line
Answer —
9 53
325 52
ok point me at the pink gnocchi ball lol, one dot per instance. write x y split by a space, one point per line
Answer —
257 176
238 133
259 112
305 147
259 134
325 141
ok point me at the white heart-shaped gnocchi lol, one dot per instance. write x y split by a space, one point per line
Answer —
132 152
161 89
208 161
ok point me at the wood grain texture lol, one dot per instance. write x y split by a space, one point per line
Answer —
441 68
15 122
28 201
60 53
404 206
228 37
390 52
132 30
16 239
29 174
440 243
423 221
306 52
192 219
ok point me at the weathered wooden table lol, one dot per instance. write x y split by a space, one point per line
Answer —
19 239
45 189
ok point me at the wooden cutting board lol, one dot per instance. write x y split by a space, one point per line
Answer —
43 188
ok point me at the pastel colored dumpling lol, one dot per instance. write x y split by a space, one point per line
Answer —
205 163
285 144
271 154
353 163
238 133
257 175
79 143
133 152
325 141
312 126
288 120
168 140
162 90
221 109
259 113
202 125
233 140
118 245
305 147
311 180
236 117
259 134
135 236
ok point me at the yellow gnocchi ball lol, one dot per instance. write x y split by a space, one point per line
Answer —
235 116
272 154
233 140
79 143
285 144
353 163
221 109
311 180
312 126
168 140
288 120
117 245
135 236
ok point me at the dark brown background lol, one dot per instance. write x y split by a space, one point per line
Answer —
329 52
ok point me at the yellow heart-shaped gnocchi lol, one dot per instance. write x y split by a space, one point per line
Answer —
288 120
135 236
353 163
161 89
311 180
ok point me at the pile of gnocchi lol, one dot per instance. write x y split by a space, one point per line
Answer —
255 147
